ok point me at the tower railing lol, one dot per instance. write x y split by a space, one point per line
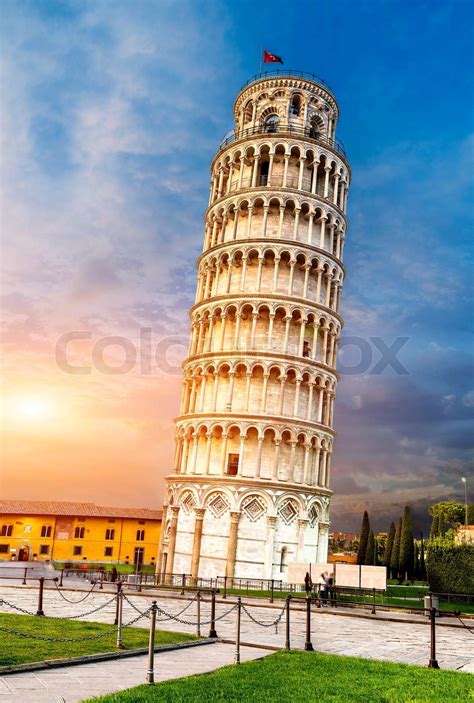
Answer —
282 129
283 72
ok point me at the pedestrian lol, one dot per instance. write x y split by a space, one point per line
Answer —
113 577
331 590
324 589
308 583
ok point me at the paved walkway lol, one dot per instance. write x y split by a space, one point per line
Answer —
75 683
331 633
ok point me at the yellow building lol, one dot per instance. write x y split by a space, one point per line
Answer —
77 532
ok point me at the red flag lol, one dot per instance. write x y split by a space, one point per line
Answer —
271 58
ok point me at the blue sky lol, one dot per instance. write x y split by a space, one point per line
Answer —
113 112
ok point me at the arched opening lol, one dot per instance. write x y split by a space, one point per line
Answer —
295 106
271 123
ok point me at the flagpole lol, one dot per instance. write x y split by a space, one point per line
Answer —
261 56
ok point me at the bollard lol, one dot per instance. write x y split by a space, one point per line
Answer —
40 610
373 602
150 674
287 634
433 661
139 589
101 583
61 577
119 588
272 590
237 636
183 584
120 619
198 632
24 576
307 645
212 629
225 587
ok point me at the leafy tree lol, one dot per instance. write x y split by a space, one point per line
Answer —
449 511
395 556
364 538
470 514
370 551
407 546
388 547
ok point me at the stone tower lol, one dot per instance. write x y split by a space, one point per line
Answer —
249 490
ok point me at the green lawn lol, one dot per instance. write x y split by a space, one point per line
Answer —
93 566
19 650
303 677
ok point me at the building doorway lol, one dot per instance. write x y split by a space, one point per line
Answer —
24 554
138 556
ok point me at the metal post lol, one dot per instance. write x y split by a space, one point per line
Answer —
287 637
183 583
150 674
101 582
433 661
40 610
307 645
272 589
318 604
225 587
237 636
373 602
198 632
119 588
139 589
119 624
212 629
24 576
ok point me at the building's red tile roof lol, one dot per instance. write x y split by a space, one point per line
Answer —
50 507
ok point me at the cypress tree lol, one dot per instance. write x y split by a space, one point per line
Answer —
369 554
422 559
416 563
395 556
434 527
407 546
364 538
388 548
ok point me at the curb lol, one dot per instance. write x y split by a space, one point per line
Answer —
94 658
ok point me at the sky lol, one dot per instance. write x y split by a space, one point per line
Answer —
112 113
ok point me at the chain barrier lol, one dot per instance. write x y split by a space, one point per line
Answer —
101 635
75 602
274 623
170 616
60 617
469 629
16 607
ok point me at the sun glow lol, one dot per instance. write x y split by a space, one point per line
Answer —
31 407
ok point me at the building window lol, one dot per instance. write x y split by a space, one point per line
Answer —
44 548
46 531
79 533
295 106
233 464
140 535
77 551
108 551
110 534
7 530
4 548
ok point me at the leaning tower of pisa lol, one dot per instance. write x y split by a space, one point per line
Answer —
249 489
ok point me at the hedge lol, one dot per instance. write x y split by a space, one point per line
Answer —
450 568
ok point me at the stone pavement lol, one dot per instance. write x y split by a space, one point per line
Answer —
75 683
333 633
